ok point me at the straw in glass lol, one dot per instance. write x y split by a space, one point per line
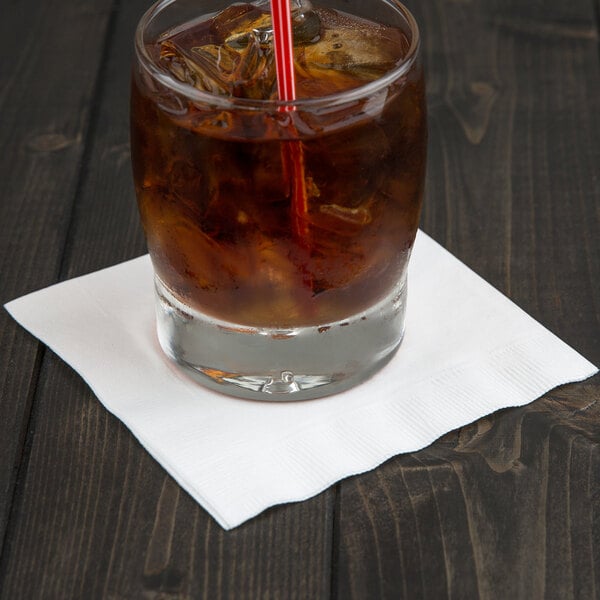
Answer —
286 90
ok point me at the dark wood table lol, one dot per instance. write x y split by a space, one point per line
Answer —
508 507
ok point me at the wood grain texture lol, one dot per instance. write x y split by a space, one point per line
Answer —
512 184
507 507
45 112
504 508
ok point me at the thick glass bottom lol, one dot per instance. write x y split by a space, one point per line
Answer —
280 364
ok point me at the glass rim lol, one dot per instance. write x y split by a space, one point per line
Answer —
204 97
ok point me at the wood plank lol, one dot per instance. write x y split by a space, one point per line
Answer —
517 102
112 524
97 517
45 110
508 506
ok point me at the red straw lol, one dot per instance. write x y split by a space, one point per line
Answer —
286 89
284 49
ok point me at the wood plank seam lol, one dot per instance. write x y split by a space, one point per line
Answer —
335 543
20 468
26 440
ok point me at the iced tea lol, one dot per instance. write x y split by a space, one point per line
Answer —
292 222
215 192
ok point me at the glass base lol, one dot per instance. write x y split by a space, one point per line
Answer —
280 364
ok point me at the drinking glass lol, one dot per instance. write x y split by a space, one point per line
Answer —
279 232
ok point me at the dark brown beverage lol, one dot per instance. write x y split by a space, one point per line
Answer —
231 230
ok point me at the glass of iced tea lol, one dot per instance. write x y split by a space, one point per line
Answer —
279 232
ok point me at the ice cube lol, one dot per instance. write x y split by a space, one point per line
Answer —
204 68
238 24
358 216
349 176
342 222
248 72
234 17
254 73
351 45
237 28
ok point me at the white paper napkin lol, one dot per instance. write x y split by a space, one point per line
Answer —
468 351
